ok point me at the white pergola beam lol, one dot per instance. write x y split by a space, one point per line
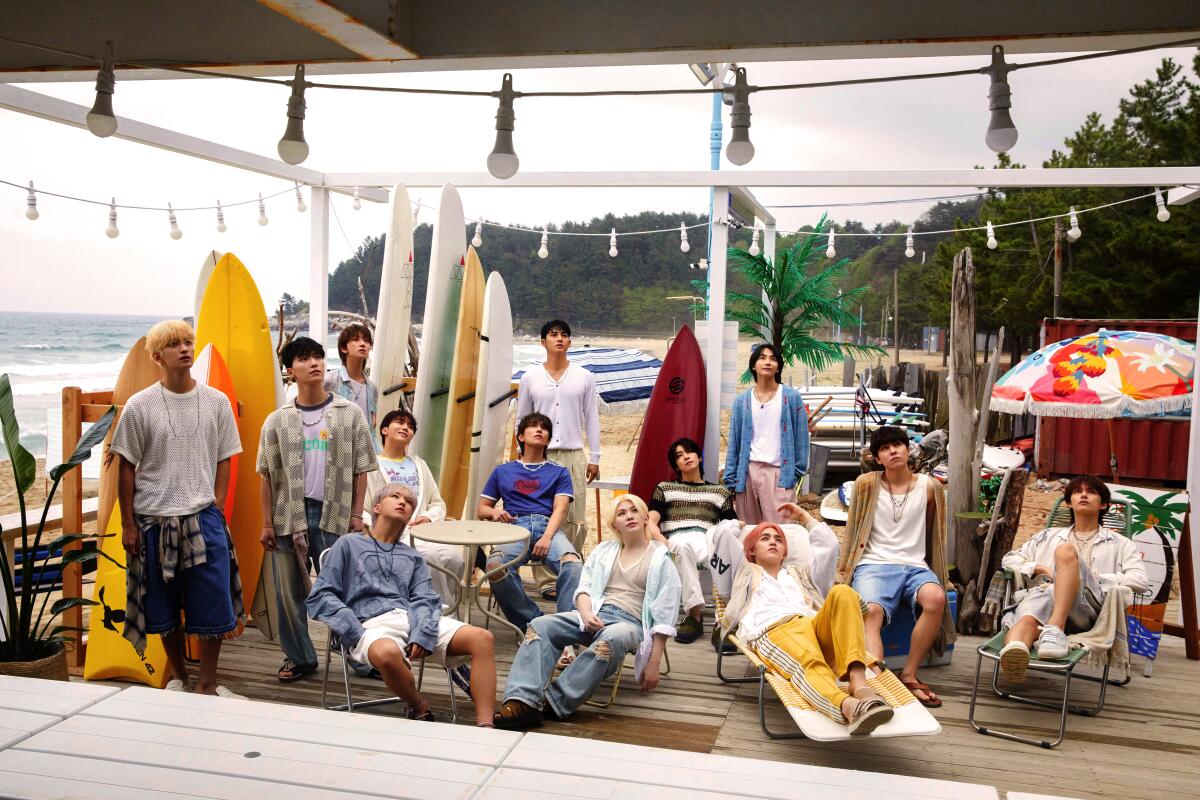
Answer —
1181 195
338 26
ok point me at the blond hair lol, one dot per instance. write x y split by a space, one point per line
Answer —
395 488
166 333
638 503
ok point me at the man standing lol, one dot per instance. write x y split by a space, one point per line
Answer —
175 440
350 380
314 455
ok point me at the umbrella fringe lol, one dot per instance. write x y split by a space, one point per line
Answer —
1162 405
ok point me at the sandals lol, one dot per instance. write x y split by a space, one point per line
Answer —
290 671
867 714
515 715
549 593
566 659
930 700
427 716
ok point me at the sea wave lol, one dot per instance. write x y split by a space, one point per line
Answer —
62 370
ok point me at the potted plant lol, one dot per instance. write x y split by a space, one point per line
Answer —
31 644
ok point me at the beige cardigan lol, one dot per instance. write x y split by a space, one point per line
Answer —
745 583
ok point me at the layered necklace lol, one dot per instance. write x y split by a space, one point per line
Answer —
897 506
386 566
170 421
533 467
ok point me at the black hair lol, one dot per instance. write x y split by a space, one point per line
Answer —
355 330
885 435
1093 483
689 446
754 353
528 421
301 347
556 324
397 414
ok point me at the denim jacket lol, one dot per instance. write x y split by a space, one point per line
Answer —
338 382
793 450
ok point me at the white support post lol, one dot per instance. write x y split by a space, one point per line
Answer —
318 275
769 252
716 332
1193 489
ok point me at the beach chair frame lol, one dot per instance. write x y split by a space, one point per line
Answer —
616 685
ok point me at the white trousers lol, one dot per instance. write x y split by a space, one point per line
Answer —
690 548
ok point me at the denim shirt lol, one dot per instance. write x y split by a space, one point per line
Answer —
793 449
338 382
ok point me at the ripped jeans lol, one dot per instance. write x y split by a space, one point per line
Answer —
544 642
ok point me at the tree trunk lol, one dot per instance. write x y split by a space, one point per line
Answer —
961 390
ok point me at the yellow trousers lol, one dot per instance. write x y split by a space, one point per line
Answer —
813 653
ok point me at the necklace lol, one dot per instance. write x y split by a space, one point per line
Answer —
167 407
897 507
534 468
1082 541
306 413
380 551
763 403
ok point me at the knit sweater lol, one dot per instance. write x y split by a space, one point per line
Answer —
793 447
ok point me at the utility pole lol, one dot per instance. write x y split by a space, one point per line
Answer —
1057 264
896 311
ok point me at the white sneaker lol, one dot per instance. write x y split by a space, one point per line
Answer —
1052 643
175 685
223 692
1014 661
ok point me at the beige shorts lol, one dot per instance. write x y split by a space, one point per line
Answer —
394 625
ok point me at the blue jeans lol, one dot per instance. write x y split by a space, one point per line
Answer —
289 587
544 642
887 585
507 588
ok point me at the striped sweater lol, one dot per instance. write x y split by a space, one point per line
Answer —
684 506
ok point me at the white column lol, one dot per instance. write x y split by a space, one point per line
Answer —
716 331
769 252
1193 488
318 270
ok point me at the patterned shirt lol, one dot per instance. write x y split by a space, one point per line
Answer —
684 506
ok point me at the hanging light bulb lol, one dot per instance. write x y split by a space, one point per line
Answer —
31 211
754 248
100 120
740 150
262 211
991 237
831 250
1164 213
221 228
1073 233
612 243
477 239
300 206
544 249
111 231
292 147
503 161
1001 130
909 250
176 234
357 200
684 245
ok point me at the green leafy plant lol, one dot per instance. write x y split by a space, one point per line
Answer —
28 637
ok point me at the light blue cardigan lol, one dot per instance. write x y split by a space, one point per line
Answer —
793 449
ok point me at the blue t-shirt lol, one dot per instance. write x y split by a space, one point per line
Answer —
528 490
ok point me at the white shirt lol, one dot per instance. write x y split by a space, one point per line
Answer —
773 600
571 403
1115 560
765 421
903 541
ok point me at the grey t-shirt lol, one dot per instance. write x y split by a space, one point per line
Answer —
316 447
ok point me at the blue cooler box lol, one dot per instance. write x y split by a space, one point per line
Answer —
898 634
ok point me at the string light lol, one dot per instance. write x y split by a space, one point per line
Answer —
176 233
300 206
909 251
612 243
544 249
1073 233
100 120
477 239
502 162
991 237
684 246
31 211
357 200
221 228
831 250
740 150
111 231
262 211
754 248
292 147
1163 215
1001 131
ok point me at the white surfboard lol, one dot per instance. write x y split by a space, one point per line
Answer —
206 271
446 259
493 389
395 304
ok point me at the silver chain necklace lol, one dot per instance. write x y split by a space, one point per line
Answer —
535 468
897 507
167 407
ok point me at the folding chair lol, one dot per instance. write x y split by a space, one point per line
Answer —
616 684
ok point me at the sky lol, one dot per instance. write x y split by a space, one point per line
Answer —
64 262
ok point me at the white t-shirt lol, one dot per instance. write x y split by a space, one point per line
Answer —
765 420
774 599
403 471
571 403
176 442
316 448
903 541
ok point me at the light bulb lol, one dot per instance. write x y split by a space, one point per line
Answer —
1163 215
100 120
292 147
1001 131
221 228
909 251
754 248
176 233
111 231
684 246
991 237
831 250
703 263
357 201
1073 233
477 239
262 211
612 243
544 249
503 161
31 211
739 150
300 206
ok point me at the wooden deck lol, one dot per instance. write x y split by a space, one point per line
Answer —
1145 744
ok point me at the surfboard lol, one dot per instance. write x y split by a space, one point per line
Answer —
137 372
395 304
206 271
456 444
233 320
678 404
446 265
493 390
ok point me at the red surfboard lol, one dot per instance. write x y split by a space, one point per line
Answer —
677 408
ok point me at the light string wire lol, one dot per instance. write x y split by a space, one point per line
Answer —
106 204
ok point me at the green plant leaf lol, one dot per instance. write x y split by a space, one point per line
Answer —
62 604
83 451
23 464
79 556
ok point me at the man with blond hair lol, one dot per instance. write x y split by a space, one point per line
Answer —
174 440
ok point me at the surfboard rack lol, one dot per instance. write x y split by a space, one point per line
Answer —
506 396
465 397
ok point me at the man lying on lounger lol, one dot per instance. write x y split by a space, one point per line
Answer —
1077 565
375 594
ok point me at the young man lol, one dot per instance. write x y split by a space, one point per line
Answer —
536 495
375 595
314 456
350 380
566 394
682 512
1078 565
175 440
896 552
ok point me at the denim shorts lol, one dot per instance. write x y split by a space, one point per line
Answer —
887 585
201 592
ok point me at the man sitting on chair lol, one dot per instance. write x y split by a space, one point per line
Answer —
1077 565
375 595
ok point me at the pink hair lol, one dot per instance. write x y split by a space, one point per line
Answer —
751 539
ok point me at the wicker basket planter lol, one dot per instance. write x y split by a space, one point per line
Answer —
53 667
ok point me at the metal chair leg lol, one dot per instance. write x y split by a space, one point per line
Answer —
762 711
720 674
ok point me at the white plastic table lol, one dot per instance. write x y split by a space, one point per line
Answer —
29 705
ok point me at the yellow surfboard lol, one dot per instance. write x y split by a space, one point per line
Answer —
456 445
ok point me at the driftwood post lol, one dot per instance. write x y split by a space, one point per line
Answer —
985 409
961 391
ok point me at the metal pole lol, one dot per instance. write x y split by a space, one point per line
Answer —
1057 264
896 310
716 132
860 325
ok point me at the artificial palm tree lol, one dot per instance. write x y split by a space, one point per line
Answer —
794 304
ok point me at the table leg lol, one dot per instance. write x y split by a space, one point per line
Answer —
487 576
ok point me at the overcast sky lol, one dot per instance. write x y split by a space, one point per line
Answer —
64 262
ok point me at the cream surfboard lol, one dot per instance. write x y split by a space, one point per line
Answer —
137 372
395 305
456 447
206 271
493 390
446 264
